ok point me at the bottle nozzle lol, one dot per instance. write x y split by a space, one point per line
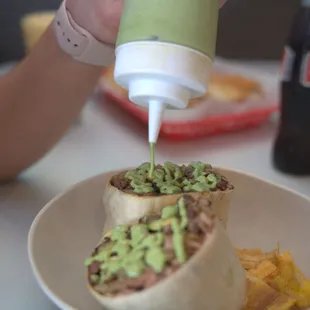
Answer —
156 113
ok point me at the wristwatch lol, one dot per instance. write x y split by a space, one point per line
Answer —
79 43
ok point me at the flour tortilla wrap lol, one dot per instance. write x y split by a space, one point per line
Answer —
212 279
123 207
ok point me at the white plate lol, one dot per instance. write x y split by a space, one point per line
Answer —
66 230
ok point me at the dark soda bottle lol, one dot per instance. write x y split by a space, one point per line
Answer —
291 152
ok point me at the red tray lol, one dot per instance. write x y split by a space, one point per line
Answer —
208 119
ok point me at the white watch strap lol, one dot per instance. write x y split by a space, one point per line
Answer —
79 43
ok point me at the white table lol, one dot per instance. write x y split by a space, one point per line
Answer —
105 139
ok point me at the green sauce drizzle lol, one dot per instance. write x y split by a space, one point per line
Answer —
152 153
183 213
169 179
121 248
156 225
134 268
152 240
169 211
156 259
138 232
119 232
144 248
178 241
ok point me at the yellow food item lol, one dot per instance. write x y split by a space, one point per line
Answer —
222 87
265 270
233 88
291 281
274 281
261 296
33 25
252 258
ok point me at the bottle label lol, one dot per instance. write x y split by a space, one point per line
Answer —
305 70
287 64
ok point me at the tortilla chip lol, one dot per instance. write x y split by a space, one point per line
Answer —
262 297
265 270
275 277
291 281
250 259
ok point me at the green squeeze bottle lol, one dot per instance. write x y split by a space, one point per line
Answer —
164 53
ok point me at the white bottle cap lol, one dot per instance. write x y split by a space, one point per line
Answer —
161 75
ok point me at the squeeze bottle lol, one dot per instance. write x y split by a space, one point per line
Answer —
164 53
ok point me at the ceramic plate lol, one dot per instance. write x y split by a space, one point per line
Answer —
66 230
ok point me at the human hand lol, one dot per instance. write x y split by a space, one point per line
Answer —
100 17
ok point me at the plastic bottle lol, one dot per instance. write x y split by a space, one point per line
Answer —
291 152
164 53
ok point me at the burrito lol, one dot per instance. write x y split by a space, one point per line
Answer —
131 194
182 259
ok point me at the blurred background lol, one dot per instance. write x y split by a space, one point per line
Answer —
248 29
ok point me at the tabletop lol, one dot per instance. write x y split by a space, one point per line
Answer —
106 138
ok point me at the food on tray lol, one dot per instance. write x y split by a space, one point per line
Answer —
233 88
222 87
111 85
131 194
276 277
33 25
179 259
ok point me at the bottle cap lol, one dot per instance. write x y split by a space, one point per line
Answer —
161 75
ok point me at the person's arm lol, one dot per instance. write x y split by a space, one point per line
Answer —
39 100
